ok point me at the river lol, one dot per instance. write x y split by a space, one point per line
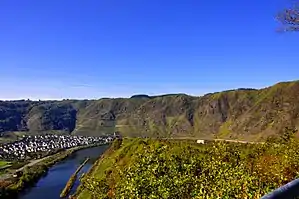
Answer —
51 185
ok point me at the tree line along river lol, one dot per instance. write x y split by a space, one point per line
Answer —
51 185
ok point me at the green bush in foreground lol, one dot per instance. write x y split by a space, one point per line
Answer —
169 169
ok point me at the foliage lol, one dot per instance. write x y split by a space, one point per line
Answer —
116 144
181 169
288 135
289 18
30 175
36 116
3 163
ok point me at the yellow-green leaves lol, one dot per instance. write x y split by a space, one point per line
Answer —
171 169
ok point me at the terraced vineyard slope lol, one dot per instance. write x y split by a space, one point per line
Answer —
247 114
145 168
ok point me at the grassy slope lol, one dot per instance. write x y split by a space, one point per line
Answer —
183 169
3 163
104 164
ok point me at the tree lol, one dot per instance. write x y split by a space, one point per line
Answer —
289 18
288 135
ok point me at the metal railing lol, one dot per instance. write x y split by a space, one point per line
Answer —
287 191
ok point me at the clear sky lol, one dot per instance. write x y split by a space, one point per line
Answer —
52 49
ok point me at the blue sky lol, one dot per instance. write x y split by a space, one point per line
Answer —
110 48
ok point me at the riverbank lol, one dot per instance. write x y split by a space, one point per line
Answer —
51 185
29 174
87 178
72 180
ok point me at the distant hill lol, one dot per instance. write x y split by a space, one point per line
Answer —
243 113
140 96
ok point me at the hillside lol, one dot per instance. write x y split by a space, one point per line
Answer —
152 168
243 114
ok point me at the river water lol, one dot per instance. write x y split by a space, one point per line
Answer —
51 185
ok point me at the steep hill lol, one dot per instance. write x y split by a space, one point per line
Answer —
153 168
243 113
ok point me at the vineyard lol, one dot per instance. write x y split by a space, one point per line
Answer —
148 168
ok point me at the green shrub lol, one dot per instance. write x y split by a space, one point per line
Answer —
166 169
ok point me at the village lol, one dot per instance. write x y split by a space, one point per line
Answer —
31 147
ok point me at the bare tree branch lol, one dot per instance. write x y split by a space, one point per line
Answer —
289 18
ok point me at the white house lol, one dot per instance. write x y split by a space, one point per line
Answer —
200 141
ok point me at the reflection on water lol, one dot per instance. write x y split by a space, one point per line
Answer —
50 186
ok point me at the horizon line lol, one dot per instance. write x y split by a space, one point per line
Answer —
153 95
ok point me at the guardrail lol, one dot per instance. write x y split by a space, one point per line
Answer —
287 191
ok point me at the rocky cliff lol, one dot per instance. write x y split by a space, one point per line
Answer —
243 113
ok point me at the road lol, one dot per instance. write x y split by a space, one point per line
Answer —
239 141
31 163
6 176
226 140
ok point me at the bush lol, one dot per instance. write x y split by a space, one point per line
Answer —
166 169
116 143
